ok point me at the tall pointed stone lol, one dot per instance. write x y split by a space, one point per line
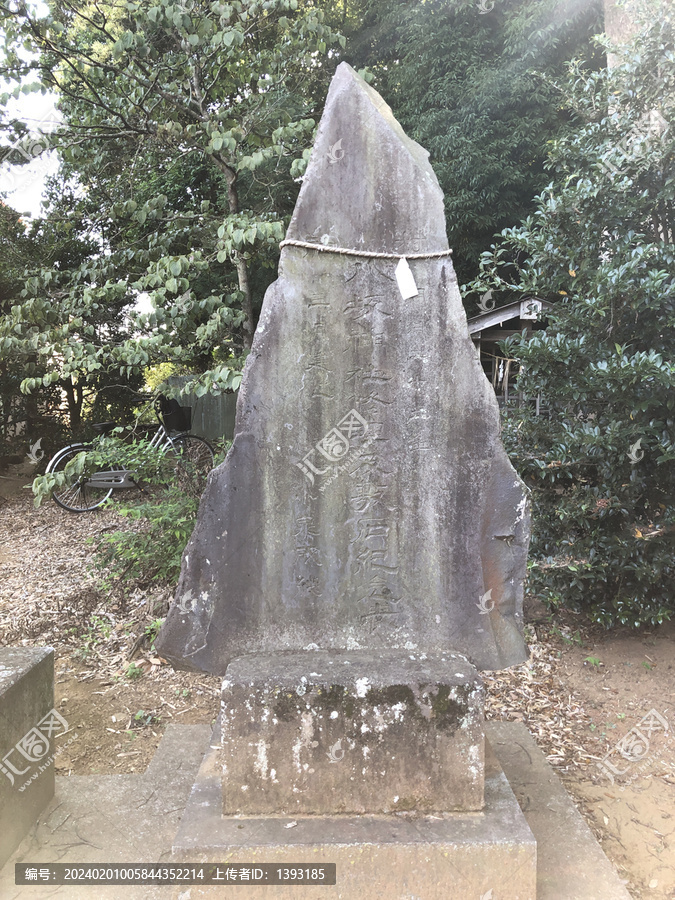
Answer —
367 501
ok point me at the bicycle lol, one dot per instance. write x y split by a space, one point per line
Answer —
195 457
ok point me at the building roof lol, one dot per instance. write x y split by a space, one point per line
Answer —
529 309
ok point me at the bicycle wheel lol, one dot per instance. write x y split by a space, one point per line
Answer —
195 461
77 495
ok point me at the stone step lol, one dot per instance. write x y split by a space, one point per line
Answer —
113 818
571 864
28 725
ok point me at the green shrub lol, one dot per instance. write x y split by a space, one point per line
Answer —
152 550
161 524
601 249
151 466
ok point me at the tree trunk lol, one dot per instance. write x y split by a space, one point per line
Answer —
240 262
245 288
74 397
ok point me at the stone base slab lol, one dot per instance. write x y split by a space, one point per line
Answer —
571 863
332 732
26 740
402 856
88 823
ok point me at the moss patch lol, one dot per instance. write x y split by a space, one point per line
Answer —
335 697
285 707
447 711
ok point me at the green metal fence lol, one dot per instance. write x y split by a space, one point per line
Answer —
212 415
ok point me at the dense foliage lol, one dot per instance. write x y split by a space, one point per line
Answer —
185 125
473 83
601 247
180 124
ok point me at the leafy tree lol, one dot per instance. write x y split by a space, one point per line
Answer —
180 124
38 261
474 87
24 250
12 259
601 246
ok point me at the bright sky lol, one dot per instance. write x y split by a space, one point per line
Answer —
25 183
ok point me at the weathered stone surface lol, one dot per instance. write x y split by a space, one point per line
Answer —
396 857
346 732
26 742
570 862
88 822
367 501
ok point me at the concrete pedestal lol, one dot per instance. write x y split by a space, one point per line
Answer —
406 856
352 732
409 809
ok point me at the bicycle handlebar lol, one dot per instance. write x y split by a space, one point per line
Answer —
171 414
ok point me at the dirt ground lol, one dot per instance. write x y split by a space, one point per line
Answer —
583 691
634 817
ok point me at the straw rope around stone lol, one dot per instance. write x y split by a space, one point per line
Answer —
370 254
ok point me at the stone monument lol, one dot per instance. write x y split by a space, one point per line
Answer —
362 549
367 501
